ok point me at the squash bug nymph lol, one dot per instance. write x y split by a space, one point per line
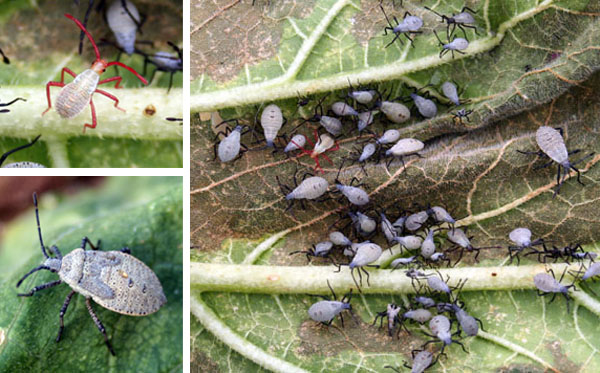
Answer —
113 279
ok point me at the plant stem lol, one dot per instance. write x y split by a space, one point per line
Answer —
25 119
312 279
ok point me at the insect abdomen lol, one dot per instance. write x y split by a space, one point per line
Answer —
75 96
138 291
552 143
122 25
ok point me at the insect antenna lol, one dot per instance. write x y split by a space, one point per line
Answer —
84 30
5 155
37 218
85 20
40 267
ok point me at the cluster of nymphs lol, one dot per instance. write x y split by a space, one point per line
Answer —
436 302
360 106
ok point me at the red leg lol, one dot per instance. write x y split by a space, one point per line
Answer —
68 71
326 157
93 125
111 97
51 84
318 166
114 78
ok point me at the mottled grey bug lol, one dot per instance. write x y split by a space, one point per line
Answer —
428 245
460 20
388 137
422 359
469 324
365 254
311 188
339 239
415 221
437 283
456 45
342 109
404 148
394 111
362 95
425 301
20 164
271 121
410 25
552 146
331 124
419 315
522 239
124 20
425 106
401 262
365 119
363 155
450 90
409 242
440 326
231 147
113 279
165 61
387 228
547 284
462 242
354 194
362 223
391 313
296 143
320 250
326 310
440 215
592 271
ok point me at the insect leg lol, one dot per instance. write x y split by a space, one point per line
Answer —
51 84
86 241
40 287
125 250
94 123
63 310
111 97
117 79
4 58
5 155
99 325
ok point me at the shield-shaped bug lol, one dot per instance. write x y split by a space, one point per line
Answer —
440 326
460 20
230 148
462 242
522 239
404 148
410 25
124 20
113 279
165 61
320 250
547 284
20 164
552 146
457 45
75 96
326 310
311 188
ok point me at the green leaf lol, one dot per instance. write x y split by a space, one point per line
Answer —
144 214
40 41
253 318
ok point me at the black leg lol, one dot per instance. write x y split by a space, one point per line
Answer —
63 310
40 287
126 250
99 325
30 272
86 241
